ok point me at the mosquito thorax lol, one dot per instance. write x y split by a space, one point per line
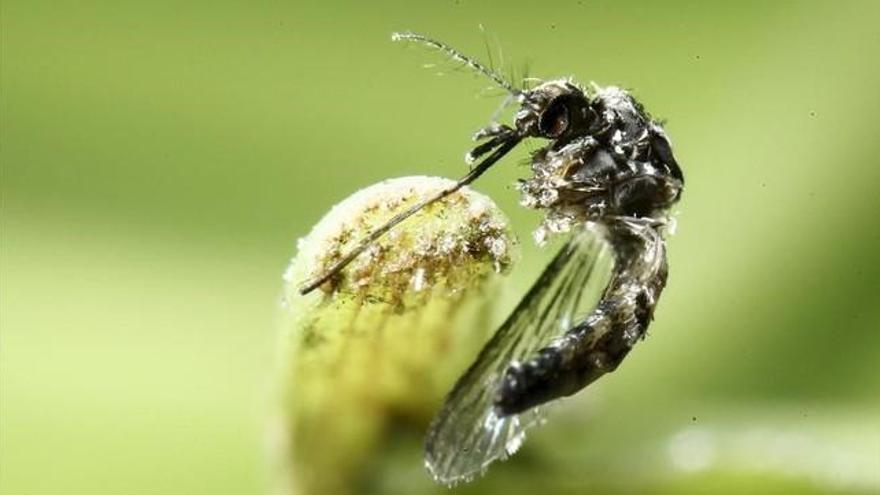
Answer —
605 156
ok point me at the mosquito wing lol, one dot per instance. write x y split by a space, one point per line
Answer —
467 434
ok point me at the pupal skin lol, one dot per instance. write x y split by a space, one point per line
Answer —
380 344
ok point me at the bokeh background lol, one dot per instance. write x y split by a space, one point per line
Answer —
159 160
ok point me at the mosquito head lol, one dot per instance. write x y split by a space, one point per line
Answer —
554 110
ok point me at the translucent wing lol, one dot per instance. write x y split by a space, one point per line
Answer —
467 434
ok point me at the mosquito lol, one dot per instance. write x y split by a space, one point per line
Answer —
606 178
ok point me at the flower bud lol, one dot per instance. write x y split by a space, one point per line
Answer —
377 347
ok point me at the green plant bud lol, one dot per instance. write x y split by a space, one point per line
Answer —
374 350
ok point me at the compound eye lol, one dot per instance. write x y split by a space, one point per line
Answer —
554 121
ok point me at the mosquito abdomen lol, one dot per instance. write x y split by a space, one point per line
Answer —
600 343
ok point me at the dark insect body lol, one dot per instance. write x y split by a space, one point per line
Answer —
607 177
607 163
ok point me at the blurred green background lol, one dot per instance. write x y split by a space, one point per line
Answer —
159 160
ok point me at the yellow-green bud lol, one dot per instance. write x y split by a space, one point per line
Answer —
378 346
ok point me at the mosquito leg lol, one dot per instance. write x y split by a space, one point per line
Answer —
503 147
492 130
495 134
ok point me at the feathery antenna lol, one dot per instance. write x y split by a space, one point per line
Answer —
458 56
